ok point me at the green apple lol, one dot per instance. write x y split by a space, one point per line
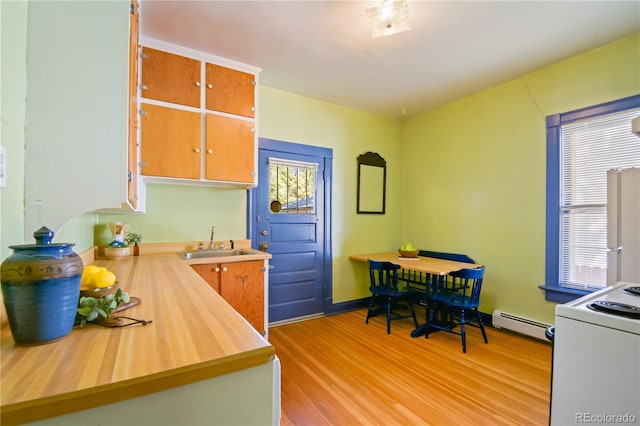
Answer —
407 247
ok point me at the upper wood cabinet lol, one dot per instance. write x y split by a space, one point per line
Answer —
134 25
170 78
230 91
202 132
229 161
171 142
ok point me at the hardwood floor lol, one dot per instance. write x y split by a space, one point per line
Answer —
338 371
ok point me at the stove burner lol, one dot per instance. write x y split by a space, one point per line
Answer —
632 290
615 308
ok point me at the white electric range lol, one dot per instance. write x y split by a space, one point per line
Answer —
596 358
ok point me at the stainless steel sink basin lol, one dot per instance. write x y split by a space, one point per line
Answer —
203 254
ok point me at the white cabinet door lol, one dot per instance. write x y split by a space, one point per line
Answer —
77 102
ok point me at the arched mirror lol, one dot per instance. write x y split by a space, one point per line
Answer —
372 182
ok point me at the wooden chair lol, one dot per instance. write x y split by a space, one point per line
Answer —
460 297
385 292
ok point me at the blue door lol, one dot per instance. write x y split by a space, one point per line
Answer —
289 215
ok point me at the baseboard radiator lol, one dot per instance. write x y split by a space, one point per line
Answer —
501 319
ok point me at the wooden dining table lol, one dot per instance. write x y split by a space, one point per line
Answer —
419 270
428 265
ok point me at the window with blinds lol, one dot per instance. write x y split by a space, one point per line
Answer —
588 149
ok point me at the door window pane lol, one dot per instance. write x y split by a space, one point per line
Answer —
292 186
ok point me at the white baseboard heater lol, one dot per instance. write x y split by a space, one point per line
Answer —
501 319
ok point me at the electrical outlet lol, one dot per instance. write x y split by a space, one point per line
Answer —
3 167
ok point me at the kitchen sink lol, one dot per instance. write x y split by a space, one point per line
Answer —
203 254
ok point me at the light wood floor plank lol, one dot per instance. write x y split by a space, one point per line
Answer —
338 371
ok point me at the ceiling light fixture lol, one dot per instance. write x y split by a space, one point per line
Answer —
391 17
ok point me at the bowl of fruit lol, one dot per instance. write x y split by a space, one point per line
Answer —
408 250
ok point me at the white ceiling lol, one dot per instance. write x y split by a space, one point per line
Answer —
323 49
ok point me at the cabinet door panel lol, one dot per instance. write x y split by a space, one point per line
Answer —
230 91
170 78
170 142
132 185
243 287
210 273
230 149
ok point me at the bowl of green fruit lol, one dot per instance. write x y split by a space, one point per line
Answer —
408 250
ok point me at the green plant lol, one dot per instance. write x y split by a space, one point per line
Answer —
132 238
90 308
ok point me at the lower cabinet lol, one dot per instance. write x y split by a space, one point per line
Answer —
241 284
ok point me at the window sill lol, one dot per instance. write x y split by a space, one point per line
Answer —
561 294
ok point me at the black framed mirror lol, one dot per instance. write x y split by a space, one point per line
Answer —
372 183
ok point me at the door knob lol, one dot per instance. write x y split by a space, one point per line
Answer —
264 246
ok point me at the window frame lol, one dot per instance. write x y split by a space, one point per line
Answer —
553 290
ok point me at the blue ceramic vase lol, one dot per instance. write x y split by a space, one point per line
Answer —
40 288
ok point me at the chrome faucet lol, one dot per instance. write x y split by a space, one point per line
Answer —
213 231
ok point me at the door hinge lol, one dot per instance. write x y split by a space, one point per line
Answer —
133 8
129 176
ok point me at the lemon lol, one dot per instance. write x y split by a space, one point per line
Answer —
87 272
101 279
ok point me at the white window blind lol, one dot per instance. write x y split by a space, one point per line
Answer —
589 149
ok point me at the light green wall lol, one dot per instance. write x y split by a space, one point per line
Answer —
183 213
79 231
12 117
475 170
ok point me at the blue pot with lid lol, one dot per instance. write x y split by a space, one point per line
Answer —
40 289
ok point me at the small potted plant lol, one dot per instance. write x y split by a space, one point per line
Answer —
133 238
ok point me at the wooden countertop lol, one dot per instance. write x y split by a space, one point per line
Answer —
194 335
